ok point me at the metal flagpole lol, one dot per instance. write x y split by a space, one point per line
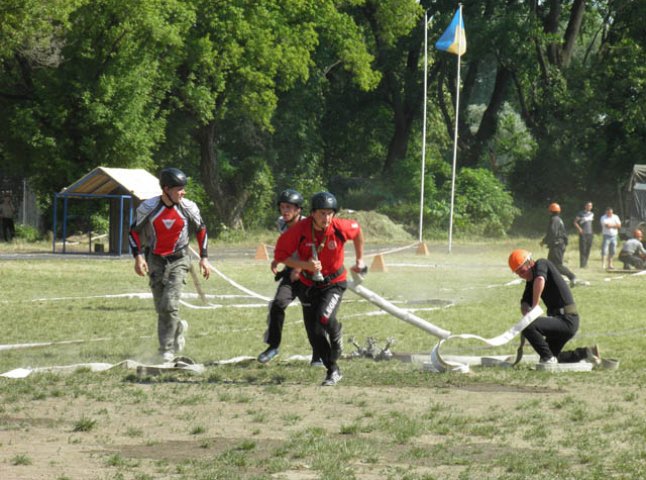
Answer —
455 136
421 195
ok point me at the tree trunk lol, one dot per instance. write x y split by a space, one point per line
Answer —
571 32
405 97
227 200
551 26
398 145
405 104
489 124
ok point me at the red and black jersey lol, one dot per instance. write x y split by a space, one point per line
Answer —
328 244
165 229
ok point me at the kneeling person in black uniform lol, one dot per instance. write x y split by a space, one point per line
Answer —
548 335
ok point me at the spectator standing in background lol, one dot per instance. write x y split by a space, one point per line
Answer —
610 225
7 211
583 224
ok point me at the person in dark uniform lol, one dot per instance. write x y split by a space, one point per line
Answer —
548 335
583 224
290 206
556 241
7 212
315 246
159 242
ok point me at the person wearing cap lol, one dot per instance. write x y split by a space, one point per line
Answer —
583 224
556 241
610 225
159 240
633 253
549 334
290 206
315 246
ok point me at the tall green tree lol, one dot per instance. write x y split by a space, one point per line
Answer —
239 55
613 100
381 119
31 35
99 99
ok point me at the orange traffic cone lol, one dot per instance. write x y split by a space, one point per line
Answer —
422 249
261 252
378 264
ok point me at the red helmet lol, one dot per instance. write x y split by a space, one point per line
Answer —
554 208
518 258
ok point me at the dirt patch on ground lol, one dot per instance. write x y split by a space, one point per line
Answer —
500 388
154 429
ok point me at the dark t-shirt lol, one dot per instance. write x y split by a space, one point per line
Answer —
585 219
556 234
556 293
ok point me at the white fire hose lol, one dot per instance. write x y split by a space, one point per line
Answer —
437 361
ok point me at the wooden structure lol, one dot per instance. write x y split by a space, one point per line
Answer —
123 188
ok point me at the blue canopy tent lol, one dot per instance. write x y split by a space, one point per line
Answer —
124 188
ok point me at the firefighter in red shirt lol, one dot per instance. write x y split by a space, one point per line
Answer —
159 243
318 242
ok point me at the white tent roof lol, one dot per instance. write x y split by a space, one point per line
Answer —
113 181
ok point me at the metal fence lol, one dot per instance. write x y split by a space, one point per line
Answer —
25 201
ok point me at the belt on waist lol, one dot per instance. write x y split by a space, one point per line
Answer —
174 256
566 310
326 279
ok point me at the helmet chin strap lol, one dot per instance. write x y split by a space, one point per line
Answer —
294 218
166 196
316 225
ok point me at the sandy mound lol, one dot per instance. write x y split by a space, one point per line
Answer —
377 226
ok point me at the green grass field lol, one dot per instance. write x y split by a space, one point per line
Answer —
390 420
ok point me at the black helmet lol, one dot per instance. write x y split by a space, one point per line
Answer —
172 177
290 196
323 200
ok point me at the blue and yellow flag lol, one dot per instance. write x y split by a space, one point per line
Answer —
454 39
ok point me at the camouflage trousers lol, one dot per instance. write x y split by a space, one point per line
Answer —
167 279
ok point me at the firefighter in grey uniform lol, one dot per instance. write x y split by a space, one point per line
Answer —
159 240
633 252
290 206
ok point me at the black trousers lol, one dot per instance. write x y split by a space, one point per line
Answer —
548 336
585 246
285 294
8 229
320 307
555 256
